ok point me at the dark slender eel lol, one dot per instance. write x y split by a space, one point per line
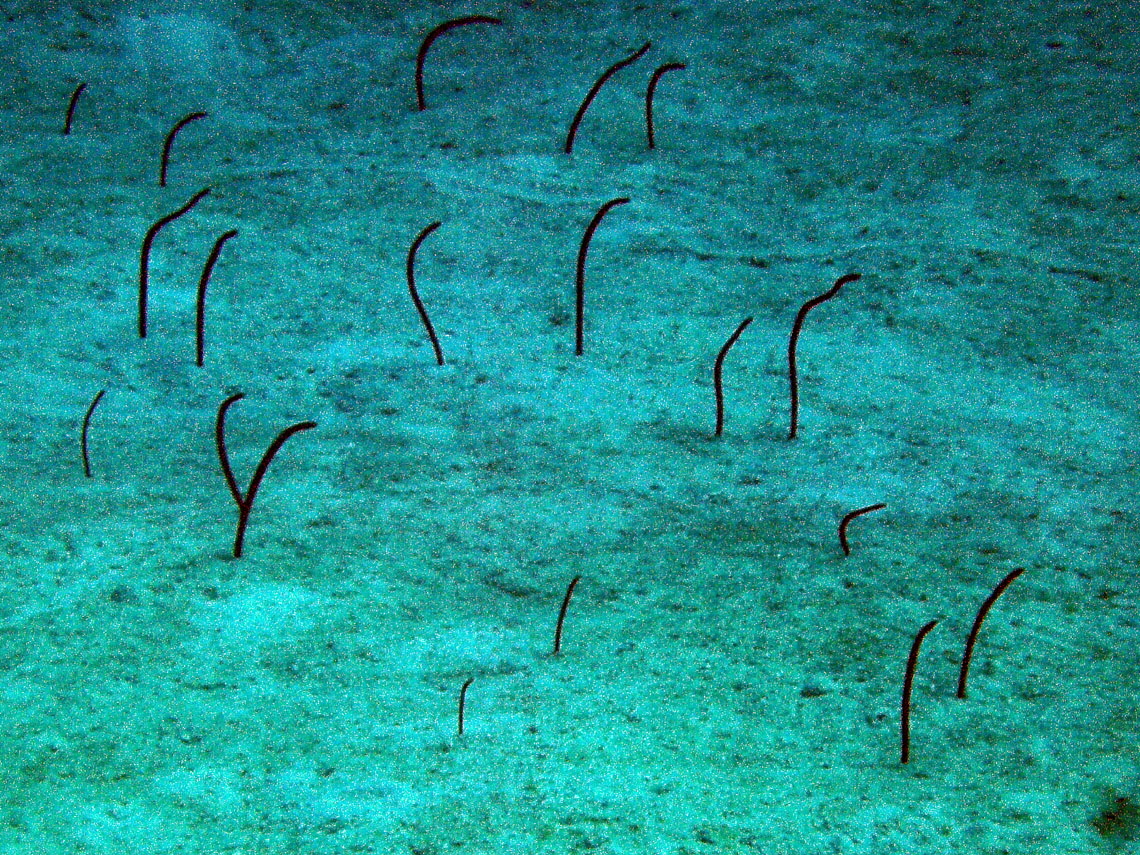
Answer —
847 519
220 442
463 701
982 612
86 425
431 37
415 294
562 614
580 293
908 683
804 309
71 108
669 66
179 125
613 69
716 374
245 503
144 256
258 475
200 320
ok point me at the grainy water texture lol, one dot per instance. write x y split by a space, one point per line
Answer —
728 681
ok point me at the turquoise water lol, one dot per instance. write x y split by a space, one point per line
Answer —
728 680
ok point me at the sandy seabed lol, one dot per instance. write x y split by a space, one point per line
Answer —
728 680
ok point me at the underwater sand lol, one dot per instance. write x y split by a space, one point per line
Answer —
728 681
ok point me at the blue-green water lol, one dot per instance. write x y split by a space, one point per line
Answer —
728 681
